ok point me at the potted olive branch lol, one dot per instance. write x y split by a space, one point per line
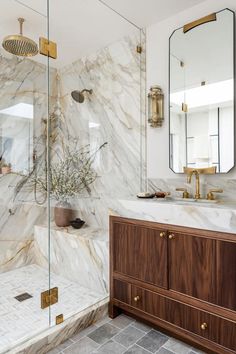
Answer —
70 173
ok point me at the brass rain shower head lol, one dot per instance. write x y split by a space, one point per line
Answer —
78 96
20 45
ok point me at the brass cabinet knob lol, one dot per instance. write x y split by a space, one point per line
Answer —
171 236
136 298
162 234
204 326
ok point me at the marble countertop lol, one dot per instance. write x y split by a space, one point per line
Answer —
219 216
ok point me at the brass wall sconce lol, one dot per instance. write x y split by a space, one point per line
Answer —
155 107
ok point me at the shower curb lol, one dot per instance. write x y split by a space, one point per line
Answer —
53 336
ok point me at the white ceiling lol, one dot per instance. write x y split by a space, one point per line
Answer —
81 27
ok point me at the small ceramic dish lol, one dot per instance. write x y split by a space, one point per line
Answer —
77 223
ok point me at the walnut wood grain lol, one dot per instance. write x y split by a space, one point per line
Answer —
175 331
176 285
217 235
202 305
192 267
219 330
226 274
140 253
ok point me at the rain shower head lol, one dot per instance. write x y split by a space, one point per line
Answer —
78 96
20 45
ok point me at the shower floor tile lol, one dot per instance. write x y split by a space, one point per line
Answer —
22 320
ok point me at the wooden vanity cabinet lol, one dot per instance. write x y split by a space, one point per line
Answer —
191 266
226 274
180 279
140 252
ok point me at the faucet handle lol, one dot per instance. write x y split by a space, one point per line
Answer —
210 195
185 192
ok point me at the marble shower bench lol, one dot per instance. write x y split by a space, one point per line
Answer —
78 255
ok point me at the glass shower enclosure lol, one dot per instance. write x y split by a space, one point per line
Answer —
72 146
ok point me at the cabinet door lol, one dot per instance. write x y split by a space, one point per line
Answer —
140 252
226 274
192 266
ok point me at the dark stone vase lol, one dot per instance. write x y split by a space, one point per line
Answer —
63 214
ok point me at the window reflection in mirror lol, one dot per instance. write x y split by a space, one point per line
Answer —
16 136
202 95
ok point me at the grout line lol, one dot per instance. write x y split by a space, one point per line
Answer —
127 348
145 348
141 329
120 330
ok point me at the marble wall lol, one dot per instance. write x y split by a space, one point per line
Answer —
112 114
81 256
21 81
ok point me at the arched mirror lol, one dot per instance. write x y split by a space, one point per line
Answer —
201 94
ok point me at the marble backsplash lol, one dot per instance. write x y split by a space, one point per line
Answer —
206 183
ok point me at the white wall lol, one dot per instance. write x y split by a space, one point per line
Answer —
157 74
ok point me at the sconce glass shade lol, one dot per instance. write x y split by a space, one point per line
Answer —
155 106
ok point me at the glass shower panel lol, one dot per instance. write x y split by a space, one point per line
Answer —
23 155
97 147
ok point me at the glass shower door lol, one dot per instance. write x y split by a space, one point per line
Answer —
24 273
97 147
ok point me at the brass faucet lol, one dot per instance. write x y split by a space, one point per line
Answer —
189 178
197 171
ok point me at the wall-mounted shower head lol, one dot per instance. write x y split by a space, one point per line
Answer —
78 96
18 44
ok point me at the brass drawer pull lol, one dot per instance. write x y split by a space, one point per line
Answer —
171 236
204 326
136 298
162 234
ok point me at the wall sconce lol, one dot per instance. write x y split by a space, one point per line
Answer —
155 106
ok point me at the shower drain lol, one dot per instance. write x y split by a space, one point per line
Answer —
23 297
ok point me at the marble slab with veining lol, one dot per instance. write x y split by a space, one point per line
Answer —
209 216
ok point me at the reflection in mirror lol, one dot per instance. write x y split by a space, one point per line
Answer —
202 95
16 137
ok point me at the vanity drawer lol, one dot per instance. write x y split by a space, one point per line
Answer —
206 325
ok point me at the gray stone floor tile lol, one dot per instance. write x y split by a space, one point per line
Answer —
152 341
177 347
162 350
102 334
129 336
143 327
61 347
84 346
102 321
196 351
110 347
135 349
122 321
122 335
83 333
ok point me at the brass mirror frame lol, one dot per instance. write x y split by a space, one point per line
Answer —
186 28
